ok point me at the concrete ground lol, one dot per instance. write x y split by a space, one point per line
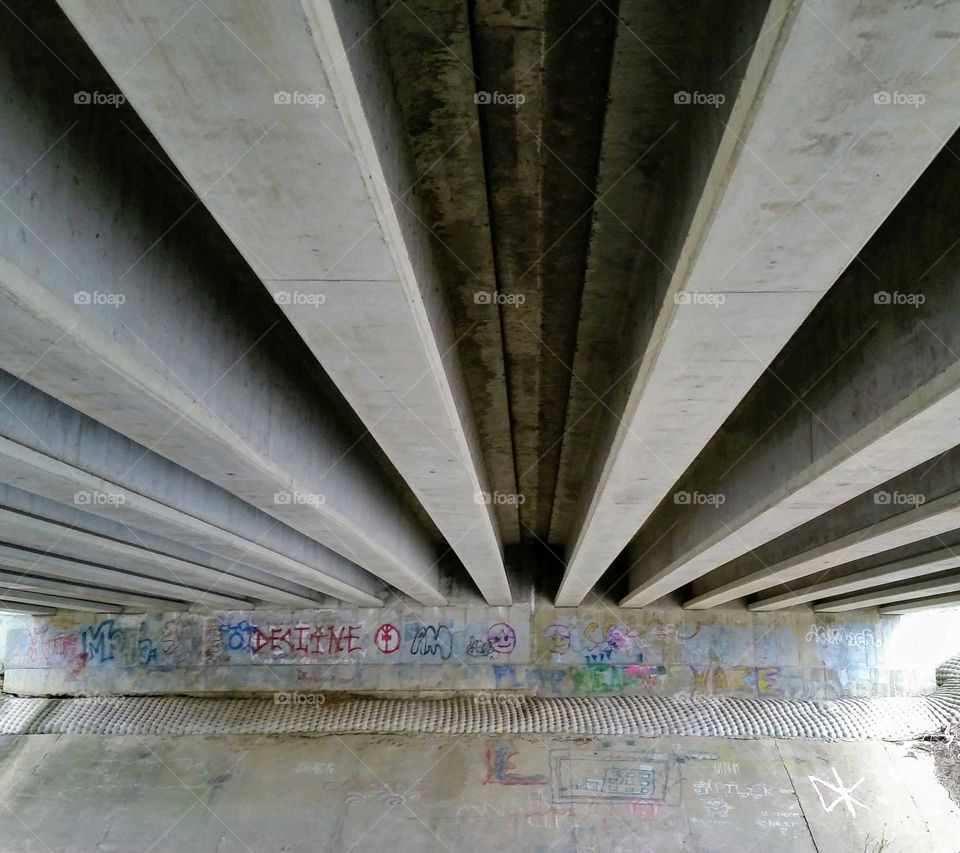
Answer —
377 793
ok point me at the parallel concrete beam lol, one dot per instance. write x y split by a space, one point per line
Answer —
937 602
653 166
428 42
57 601
51 450
896 570
25 563
156 332
42 534
19 607
11 581
921 589
917 505
782 215
320 208
833 418
251 580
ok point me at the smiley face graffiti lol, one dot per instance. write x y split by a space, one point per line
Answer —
502 638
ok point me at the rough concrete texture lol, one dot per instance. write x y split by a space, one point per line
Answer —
503 712
364 296
370 793
166 337
807 168
546 652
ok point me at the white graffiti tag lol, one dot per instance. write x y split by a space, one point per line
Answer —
843 793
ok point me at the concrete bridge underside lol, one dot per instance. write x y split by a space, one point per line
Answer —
320 303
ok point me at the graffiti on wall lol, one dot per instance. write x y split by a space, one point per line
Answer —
571 639
547 653
444 635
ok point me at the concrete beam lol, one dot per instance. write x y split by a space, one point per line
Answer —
51 450
250 579
937 602
176 353
921 503
781 216
653 167
11 581
24 563
57 601
320 209
832 418
19 607
891 572
43 534
921 589
427 42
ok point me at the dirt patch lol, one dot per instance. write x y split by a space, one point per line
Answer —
945 749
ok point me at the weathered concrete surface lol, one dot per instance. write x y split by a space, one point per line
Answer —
903 592
138 314
26 562
809 166
10 581
921 503
56 452
936 602
368 793
431 57
882 570
364 295
547 652
832 419
65 539
654 162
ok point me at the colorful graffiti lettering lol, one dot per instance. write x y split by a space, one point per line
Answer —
101 643
42 647
499 759
307 639
736 680
432 641
238 635
609 678
149 653
824 636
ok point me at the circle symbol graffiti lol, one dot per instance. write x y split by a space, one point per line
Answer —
387 638
502 638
